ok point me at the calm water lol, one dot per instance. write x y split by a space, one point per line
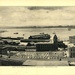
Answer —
62 33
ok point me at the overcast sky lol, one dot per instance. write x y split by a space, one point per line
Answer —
37 16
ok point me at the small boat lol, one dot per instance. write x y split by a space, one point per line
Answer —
16 33
69 29
54 33
23 34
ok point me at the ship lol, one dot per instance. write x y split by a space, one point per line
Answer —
40 36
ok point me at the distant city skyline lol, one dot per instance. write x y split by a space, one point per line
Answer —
37 15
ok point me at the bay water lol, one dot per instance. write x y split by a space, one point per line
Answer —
62 33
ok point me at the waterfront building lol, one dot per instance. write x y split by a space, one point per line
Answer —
71 52
45 47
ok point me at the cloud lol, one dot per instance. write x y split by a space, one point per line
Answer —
28 16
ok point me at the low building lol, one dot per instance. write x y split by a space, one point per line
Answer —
45 47
72 52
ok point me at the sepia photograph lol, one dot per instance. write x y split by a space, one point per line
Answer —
37 35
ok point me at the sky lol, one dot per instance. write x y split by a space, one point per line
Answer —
37 15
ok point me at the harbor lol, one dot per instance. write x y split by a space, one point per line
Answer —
37 36
40 49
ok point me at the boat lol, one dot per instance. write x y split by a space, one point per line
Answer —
54 33
40 36
16 33
69 29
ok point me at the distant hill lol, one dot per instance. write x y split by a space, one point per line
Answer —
71 26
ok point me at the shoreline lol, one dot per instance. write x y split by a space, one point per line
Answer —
12 27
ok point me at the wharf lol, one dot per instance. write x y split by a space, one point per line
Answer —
31 62
21 61
12 38
35 40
